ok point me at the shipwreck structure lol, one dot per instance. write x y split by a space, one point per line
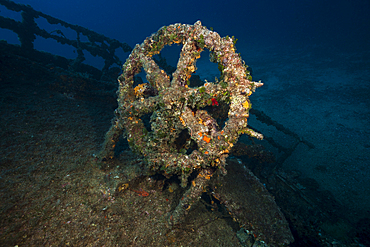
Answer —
175 107
28 29
180 130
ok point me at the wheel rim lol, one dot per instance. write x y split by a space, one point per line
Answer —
176 107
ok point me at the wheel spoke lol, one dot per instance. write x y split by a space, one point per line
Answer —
186 63
155 76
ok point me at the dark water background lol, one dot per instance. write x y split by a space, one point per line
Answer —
343 24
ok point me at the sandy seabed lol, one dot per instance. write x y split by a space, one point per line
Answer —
53 194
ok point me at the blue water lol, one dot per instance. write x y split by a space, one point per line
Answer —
312 55
343 24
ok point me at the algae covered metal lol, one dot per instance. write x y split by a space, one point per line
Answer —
175 107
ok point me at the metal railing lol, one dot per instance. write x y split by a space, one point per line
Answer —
28 29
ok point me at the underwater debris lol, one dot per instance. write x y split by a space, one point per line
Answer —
175 107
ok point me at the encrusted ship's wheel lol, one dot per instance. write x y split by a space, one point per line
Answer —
175 106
